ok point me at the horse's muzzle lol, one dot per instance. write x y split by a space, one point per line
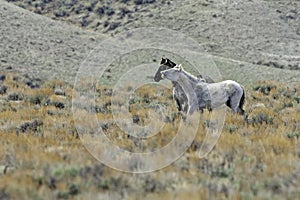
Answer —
162 75
157 79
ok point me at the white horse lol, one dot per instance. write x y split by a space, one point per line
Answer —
202 95
178 93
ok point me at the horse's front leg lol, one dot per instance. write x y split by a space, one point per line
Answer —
183 115
192 109
185 107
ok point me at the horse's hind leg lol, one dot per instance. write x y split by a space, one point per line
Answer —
228 103
240 111
234 103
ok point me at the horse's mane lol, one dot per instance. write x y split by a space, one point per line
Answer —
190 76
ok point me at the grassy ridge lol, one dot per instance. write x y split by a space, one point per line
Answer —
43 157
97 15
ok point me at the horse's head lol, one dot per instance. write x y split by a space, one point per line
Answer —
168 62
173 74
164 65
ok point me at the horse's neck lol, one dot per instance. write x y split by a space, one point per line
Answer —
194 81
177 88
192 78
188 89
174 83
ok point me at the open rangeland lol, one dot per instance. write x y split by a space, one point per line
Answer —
42 45
43 156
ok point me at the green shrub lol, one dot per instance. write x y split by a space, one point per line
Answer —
293 134
15 96
264 88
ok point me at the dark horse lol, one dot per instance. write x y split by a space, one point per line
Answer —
178 93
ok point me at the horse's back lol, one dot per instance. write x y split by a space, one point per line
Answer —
227 84
220 85
224 88
234 84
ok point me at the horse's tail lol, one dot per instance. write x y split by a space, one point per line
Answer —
242 101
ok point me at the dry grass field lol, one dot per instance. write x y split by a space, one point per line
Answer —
44 43
42 156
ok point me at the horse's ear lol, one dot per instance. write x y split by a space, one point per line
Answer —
171 63
168 62
163 61
180 67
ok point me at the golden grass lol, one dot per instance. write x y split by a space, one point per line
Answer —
255 159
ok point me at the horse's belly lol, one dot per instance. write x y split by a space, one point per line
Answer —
218 98
216 104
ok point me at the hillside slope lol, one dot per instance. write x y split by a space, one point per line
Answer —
259 31
249 41
41 47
